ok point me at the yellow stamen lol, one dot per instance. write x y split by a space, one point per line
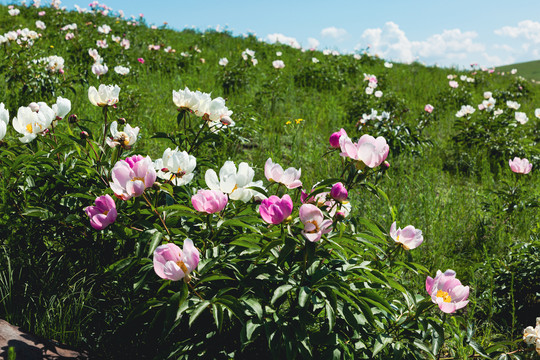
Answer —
29 128
138 178
316 230
444 295
182 266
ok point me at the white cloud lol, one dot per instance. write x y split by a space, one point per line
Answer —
287 40
334 32
505 47
391 42
313 43
527 29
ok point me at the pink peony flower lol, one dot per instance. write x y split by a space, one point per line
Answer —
339 193
409 237
314 223
447 292
274 210
520 166
453 84
334 138
289 178
103 214
209 201
132 176
429 108
141 60
171 263
369 150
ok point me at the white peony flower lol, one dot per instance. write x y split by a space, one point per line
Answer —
223 61
33 120
107 95
4 121
61 108
179 166
234 182
99 69
513 104
521 117
121 70
124 138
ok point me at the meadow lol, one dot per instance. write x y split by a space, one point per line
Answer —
404 171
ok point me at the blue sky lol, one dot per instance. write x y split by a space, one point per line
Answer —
455 32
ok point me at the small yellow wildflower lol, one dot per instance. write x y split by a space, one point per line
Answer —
298 121
52 46
288 123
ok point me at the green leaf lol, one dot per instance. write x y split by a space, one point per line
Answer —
250 328
214 277
280 291
381 341
217 312
304 293
121 265
153 238
479 349
420 345
198 311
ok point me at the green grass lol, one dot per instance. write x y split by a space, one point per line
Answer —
529 69
444 189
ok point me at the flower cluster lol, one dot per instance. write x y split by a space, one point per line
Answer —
201 104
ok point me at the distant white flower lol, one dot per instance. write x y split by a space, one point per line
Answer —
99 69
378 93
125 138
254 61
489 104
537 113
169 49
179 166
497 112
315 60
116 39
104 29
223 61
121 70
279 53
521 117
453 84
513 71
513 104
388 65
107 95
102 44
14 12
450 77
278 64
357 56
463 77
71 27
125 44
94 54
40 25
487 94
465 110
369 90
69 36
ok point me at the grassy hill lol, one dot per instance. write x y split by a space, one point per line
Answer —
529 69
448 175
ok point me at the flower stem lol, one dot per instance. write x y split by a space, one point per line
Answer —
157 213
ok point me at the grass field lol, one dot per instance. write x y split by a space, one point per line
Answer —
448 176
